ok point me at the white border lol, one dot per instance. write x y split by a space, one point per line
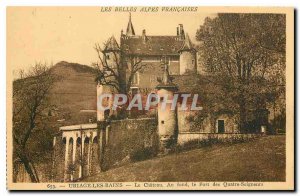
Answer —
4 3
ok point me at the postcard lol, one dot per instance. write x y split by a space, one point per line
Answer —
150 98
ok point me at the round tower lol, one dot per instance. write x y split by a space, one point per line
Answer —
100 113
111 53
187 59
166 111
106 101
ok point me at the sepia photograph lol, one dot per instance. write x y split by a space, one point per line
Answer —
150 98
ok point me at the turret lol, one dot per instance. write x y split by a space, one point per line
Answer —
111 52
166 111
130 29
187 60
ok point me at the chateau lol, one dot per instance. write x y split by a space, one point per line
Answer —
176 50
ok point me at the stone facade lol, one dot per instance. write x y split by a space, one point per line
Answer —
176 50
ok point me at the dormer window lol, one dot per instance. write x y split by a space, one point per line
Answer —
107 56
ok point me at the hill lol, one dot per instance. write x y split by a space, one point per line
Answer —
259 160
75 91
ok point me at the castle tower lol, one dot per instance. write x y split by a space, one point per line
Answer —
187 59
111 52
100 114
167 119
111 59
130 30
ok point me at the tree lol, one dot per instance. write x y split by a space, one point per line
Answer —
120 75
29 101
245 56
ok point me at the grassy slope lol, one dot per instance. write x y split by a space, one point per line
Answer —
76 91
259 160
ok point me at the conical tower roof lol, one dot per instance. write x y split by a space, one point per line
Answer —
187 45
112 44
130 29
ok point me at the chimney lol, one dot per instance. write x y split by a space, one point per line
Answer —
144 36
177 31
181 31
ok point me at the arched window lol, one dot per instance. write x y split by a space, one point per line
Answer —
71 140
86 140
78 141
95 140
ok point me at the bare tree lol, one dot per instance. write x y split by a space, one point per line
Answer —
241 52
120 75
29 100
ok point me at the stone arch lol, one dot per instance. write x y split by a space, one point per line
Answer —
71 140
86 140
95 140
70 168
78 141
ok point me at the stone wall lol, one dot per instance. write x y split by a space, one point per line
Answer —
125 139
188 122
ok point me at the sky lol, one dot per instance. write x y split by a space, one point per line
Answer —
53 34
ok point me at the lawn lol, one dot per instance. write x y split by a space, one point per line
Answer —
260 160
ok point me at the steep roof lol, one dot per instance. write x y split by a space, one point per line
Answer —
151 45
130 29
111 44
187 44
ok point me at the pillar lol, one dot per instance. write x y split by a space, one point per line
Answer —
66 159
89 153
74 157
102 142
81 157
